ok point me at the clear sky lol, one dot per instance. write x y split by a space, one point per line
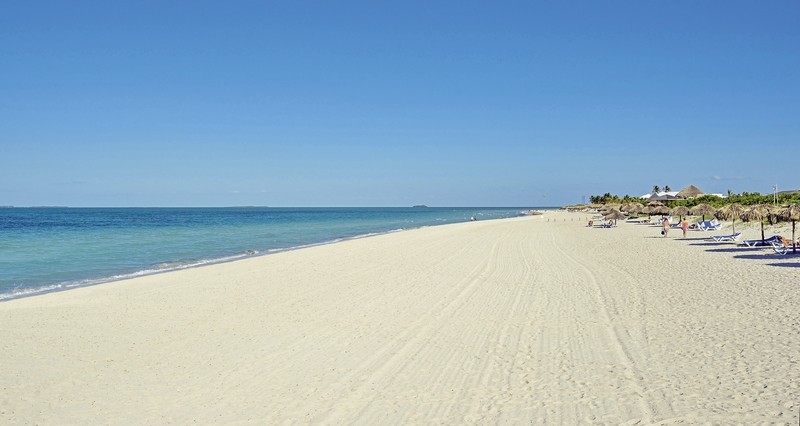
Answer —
365 103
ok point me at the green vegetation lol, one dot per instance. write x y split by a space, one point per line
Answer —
745 199
607 198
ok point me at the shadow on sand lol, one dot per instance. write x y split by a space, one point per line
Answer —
742 252
712 244
761 256
736 250
786 265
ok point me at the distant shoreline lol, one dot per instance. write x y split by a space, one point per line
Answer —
141 226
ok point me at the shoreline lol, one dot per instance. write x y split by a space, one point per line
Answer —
521 320
189 264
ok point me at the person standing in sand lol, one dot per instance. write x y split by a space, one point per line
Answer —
684 226
665 226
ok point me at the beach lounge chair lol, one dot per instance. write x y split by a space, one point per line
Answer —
660 220
709 225
731 237
762 243
782 247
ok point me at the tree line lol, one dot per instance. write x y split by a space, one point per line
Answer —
745 199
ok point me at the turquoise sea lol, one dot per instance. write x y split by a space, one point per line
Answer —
53 249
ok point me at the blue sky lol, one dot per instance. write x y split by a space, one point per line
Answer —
207 103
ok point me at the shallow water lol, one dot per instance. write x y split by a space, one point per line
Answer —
49 249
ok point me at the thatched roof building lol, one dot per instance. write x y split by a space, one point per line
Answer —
663 196
690 191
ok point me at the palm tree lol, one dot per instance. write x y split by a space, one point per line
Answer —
667 188
656 189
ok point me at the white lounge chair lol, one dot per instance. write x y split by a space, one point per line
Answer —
709 225
732 237
782 248
762 243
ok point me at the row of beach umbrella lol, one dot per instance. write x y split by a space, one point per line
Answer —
732 212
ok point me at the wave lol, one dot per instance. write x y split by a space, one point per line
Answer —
20 292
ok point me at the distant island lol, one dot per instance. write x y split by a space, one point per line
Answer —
420 206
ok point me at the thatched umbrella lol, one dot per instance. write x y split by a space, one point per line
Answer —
615 215
680 211
629 208
730 212
757 212
703 210
791 212
605 210
634 208
664 210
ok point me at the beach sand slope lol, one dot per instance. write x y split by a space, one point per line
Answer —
535 320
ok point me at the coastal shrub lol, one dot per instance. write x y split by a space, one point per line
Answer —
745 199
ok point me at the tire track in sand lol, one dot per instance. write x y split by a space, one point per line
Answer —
393 355
633 373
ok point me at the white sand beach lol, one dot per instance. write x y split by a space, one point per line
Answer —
533 320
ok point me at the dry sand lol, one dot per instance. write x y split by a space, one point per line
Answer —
535 320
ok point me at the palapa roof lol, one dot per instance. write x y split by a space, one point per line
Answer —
663 196
703 209
690 191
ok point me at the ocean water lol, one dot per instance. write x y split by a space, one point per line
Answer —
53 249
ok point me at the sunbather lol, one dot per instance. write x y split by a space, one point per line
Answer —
784 245
762 243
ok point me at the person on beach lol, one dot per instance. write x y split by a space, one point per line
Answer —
665 226
684 226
